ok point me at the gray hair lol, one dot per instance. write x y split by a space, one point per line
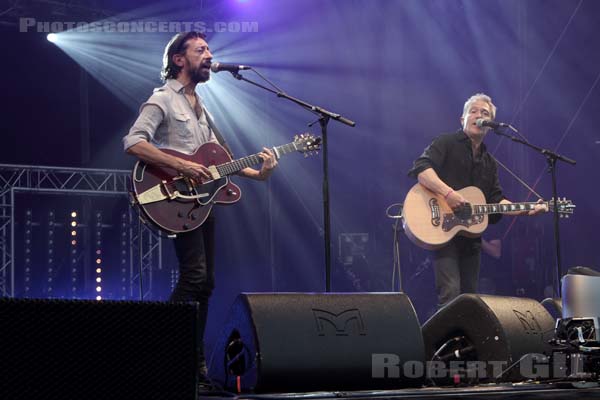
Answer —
482 97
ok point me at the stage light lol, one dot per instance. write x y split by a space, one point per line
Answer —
98 298
73 214
98 289
98 270
98 279
52 37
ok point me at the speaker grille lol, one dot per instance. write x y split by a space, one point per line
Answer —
55 349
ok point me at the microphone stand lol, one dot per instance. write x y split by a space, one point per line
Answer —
551 158
323 117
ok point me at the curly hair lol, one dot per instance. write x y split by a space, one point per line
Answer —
177 45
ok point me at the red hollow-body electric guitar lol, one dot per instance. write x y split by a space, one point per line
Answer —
176 204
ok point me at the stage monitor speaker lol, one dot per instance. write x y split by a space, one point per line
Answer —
62 349
489 328
305 342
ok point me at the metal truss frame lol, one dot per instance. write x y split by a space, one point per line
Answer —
145 244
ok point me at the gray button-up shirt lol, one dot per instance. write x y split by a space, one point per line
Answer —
167 120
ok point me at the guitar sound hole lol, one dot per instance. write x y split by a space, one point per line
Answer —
465 212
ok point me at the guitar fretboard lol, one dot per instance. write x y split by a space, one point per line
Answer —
503 208
235 166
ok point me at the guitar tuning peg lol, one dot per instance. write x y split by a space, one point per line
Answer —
305 155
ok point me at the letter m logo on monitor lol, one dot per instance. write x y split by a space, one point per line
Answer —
528 321
341 323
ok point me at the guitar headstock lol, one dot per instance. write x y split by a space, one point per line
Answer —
565 207
307 144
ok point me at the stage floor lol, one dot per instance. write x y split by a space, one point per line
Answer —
512 391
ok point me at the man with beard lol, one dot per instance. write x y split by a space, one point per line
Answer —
452 162
175 118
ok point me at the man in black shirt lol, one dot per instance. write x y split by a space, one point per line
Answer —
451 162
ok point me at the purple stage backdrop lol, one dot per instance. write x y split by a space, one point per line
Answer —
401 69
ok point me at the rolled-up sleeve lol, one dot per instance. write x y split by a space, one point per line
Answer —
144 127
152 114
433 157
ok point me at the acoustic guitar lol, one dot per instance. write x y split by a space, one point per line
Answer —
430 223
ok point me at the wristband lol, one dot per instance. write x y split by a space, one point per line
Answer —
448 194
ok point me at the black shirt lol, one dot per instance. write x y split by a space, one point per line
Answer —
451 157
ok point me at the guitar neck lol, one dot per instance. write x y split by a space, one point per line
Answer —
504 208
233 167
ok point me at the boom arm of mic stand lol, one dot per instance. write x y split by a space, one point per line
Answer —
546 152
315 109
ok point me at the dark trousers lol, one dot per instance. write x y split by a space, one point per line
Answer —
457 268
195 252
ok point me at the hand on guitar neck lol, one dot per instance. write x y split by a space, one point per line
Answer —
540 208
455 200
269 162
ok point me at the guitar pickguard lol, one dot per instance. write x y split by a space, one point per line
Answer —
451 220
208 190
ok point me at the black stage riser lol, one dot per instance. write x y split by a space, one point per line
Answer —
55 349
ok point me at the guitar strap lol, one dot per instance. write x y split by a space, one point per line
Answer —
215 130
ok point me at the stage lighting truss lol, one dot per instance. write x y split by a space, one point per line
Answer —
143 252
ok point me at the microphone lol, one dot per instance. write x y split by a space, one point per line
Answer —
492 124
234 68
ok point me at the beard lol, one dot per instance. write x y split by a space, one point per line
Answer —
201 73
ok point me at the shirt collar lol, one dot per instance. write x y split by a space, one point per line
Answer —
461 136
175 85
